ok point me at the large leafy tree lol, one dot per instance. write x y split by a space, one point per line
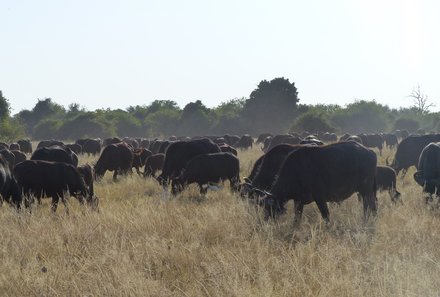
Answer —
195 119
271 106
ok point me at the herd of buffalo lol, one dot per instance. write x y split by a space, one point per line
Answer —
304 168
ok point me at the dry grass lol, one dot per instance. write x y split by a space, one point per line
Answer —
141 245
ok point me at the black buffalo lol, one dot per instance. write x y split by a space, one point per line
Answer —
115 157
92 147
263 177
25 146
139 157
88 174
40 179
179 153
153 164
390 140
386 180
209 168
9 189
245 142
47 143
409 149
322 174
428 174
75 147
262 137
372 141
56 154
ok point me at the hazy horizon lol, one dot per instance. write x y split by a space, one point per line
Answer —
109 54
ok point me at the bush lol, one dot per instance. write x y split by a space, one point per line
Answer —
313 122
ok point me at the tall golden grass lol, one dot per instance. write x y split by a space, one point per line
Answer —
139 244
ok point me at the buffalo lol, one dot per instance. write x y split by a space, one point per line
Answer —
37 178
25 146
245 142
409 149
139 157
9 189
56 154
209 168
115 157
92 147
263 177
153 164
322 174
386 180
428 174
180 152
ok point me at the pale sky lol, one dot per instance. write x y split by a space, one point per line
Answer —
119 53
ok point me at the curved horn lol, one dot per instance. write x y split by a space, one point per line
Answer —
247 180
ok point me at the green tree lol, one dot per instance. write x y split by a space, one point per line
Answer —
195 119
361 117
271 106
313 122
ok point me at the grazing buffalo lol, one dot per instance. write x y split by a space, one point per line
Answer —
386 180
25 146
428 174
75 147
139 157
390 140
40 179
47 143
56 154
322 174
372 141
409 149
262 137
245 142
179 153
208 168
109 141
283 138
269 167
92 147
9 189
115 157
153 164
231 139
88 174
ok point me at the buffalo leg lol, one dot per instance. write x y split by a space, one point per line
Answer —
203 190
299 206
115 174
322 206
55 199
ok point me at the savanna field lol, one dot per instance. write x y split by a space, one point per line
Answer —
142 243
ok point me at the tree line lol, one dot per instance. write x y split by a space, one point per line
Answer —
274 106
